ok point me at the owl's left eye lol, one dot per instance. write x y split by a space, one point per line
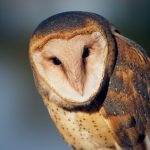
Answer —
56 61
86 53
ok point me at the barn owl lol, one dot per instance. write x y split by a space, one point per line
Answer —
94 82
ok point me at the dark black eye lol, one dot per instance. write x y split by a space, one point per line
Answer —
56 61
86 53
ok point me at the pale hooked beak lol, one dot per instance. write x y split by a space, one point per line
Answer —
78 85
76 79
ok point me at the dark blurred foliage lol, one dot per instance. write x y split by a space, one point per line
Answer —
24 121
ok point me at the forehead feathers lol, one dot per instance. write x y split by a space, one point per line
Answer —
65 26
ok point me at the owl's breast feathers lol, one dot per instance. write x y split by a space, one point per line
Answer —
127 103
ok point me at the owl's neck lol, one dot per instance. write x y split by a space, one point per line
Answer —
82 127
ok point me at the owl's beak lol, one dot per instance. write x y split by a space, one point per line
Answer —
79 87
76 80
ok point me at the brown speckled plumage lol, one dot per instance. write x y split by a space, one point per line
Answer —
118 117
127 101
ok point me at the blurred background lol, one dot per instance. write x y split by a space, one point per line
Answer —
24 120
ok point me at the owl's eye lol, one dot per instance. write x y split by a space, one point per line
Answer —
56 61
86 53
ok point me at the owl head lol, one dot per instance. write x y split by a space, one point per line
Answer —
72 55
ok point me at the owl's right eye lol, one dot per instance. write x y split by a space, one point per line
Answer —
86 53
56 61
